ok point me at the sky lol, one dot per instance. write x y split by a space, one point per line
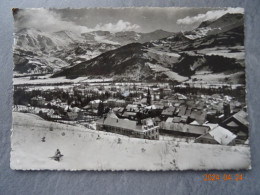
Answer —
117 19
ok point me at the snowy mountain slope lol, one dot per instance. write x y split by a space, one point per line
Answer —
80 145
37 52
181 56
131 62
125 55
47 52
222 24
125 37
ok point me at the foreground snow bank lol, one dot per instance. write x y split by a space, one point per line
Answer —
85 149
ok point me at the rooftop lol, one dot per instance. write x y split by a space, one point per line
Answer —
222 135
127 124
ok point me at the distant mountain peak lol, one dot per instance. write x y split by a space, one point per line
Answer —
227 18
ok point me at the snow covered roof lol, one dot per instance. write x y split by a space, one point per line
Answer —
241 116
152 107
126 114
112 115
194 123
186 128
180 96
232 124
120 101
222 135
132 108
127 124
95 101
211 125
111 100
169 120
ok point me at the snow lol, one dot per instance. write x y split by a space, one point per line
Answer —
172 75
225 52
199 33
216 78
193 123
102 39
59 80
85 149
222 135
164 53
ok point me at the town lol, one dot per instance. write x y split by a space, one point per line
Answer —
209 114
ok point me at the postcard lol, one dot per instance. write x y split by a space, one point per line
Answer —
129 89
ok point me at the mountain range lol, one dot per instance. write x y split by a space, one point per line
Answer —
213 52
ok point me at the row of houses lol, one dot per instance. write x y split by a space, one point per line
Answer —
233 130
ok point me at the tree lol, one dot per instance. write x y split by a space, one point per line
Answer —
100 109
139 118
148 97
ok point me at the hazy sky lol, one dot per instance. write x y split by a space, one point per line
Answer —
117 19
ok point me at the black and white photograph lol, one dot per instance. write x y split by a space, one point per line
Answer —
129 89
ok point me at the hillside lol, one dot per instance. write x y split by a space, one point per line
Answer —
225 23
176 58
37 52
79 144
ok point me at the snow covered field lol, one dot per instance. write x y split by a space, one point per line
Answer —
60 80
85 149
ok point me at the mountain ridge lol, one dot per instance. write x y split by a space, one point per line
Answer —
180 56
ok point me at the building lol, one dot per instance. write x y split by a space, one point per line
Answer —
145 130
237 124
217 135
174 126
168 112
116 102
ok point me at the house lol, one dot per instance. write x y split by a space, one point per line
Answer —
237 124
170 126
38 101
168 112
182 110
217 135
176 119
132 108
199 116
144 129
115 102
